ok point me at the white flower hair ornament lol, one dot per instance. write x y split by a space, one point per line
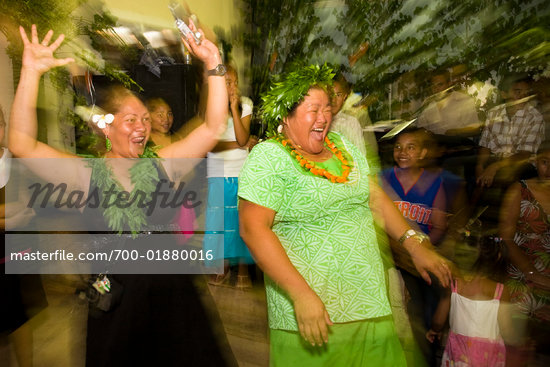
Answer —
102 120
98 116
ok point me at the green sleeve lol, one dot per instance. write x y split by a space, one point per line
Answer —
262 179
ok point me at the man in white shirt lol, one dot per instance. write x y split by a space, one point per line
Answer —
449 112
342 122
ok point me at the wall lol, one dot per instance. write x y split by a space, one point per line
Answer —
6 79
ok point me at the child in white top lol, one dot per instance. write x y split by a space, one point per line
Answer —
479 316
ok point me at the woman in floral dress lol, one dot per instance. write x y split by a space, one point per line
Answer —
525 228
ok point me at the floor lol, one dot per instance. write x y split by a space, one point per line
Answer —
59 331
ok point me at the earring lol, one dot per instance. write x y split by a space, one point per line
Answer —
280 129
108 144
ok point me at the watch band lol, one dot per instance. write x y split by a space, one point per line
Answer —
219 70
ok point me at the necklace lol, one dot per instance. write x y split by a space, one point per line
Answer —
312 167
143 175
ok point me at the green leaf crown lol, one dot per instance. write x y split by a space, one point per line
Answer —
290 89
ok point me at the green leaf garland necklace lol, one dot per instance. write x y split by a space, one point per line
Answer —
144 176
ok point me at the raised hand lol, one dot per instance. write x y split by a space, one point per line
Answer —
207 52
38 56
234 99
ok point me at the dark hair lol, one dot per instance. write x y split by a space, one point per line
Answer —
493 255
109 99
294 107
341 79
153 103
231 69
508 81
426 137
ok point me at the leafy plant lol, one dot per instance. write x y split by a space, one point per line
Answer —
489 36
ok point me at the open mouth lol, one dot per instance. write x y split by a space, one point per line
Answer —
138 140
318 133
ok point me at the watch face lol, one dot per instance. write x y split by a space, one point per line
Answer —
220 69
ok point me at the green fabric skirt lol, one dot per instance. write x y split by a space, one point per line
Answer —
371 342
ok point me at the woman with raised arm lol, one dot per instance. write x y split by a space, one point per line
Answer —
307 214
158 319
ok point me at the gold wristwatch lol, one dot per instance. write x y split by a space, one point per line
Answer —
411 233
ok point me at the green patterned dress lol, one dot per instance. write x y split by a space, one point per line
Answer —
328 233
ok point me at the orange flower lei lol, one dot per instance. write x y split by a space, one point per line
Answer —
312 167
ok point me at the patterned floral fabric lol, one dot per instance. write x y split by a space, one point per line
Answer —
465 351
533 237
326 230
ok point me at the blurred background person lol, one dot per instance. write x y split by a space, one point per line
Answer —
23 294
224 164
161 121
419 195
512 134
542 89
451 114
525 229
342 122
478 307
448 111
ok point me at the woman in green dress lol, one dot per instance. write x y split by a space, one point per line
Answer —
307 210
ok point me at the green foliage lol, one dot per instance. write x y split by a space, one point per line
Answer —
46 14
288 90
144 176
403 35
57 15
109 70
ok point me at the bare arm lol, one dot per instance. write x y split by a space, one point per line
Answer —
424 258
512 325
439 318
226 145
438 218
204 137
38 58
442 312
509 216
255 228
241 125
488 174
